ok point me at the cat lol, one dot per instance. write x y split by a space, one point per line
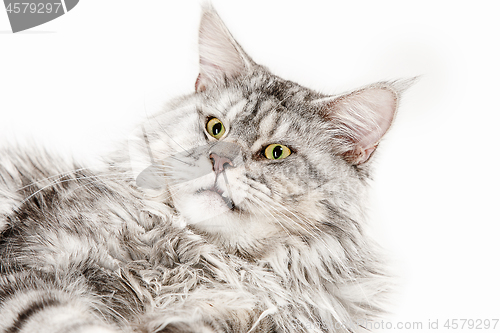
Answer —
237 208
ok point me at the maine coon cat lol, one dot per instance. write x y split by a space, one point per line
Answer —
238 208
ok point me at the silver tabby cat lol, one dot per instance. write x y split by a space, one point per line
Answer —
238 208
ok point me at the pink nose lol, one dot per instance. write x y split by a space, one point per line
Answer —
219 163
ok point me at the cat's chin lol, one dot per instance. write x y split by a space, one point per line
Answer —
210 209
214 193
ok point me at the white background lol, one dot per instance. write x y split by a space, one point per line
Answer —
80 83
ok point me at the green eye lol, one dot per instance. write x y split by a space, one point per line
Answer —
215 128
277 152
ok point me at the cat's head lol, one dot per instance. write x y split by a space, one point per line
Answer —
251 159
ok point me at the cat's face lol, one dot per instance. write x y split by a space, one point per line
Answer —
253 158
254 161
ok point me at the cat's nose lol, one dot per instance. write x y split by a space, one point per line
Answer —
219 163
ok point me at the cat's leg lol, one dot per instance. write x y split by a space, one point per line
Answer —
35 302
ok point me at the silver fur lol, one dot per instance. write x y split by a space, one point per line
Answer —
146 246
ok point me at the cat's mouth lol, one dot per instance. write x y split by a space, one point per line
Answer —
223 194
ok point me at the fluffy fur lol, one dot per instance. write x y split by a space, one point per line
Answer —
161 241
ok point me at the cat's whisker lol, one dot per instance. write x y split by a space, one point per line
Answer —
276 219
91 182
59 181
262 209
294 222
260 203
301 226
314 235
227 184
62 174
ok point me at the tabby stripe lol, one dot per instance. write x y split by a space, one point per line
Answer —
34 308
277 123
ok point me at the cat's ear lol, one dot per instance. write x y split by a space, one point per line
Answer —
221 57
362 117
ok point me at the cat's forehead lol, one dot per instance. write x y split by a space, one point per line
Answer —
261 111
258 99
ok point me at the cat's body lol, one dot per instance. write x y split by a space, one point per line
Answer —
249 217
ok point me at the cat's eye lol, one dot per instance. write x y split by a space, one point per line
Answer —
277 151
215 128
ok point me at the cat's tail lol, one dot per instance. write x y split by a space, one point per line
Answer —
30 302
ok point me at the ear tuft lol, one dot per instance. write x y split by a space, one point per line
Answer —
221 57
